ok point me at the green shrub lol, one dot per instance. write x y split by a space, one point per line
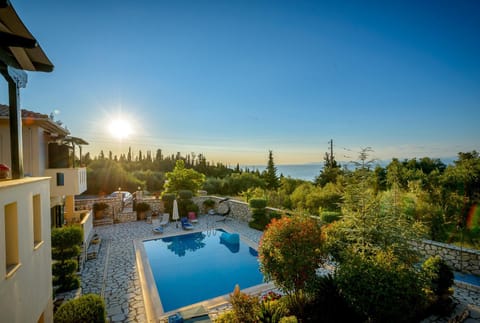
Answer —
168 199
260 219
185 194
288 319
329 216
257 203
244 306
290 252
65 248
438 280
192 207
64 268
86 308
327 303
274 215
438 274
381 288
271 311
226 317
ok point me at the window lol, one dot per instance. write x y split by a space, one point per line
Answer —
60 179
11 238
37 220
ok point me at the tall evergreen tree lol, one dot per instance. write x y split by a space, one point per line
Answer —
330 171
270 175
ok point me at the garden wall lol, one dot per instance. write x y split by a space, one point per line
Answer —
460 259
239 210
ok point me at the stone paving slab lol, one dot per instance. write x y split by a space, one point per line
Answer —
114 276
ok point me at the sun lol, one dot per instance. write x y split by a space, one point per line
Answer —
120 128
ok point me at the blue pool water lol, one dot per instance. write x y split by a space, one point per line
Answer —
195 267
467 278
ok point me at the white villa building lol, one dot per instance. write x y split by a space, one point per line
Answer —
42 183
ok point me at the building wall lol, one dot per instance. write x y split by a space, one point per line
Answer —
26 290
34 149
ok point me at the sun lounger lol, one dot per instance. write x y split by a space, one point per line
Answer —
165 219
185 224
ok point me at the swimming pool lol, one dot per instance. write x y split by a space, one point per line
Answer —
194 267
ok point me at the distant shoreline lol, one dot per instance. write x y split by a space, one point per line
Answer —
309 171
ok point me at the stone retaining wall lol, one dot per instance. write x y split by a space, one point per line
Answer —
239 210
460 259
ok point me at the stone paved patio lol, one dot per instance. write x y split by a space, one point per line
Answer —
113 274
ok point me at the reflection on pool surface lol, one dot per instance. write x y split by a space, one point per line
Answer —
198 266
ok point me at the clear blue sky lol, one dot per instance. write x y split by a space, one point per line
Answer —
234 79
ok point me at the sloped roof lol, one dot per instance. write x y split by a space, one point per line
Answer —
30 118
18 47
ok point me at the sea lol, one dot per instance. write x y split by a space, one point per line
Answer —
306 172
309 171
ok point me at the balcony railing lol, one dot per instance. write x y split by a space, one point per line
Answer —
67 181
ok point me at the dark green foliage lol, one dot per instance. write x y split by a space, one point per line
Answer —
260 218
142 207
168 199
208 204
330 172
329 216
438 273
86 308
381 288
213 185
65 248
328 305
66 237
258 203
192 207
66 253
64 268
67 283
105 176
270 175
438 278
274 215
185 194
185 203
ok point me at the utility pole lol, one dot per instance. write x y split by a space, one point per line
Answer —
331 149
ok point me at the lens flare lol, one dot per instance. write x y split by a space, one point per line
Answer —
473 218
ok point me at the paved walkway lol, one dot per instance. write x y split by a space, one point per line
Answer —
113 274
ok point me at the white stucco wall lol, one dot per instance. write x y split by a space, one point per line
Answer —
27 293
